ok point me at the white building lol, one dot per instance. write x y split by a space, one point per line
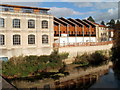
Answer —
25 31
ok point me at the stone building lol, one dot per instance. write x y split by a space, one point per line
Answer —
25 31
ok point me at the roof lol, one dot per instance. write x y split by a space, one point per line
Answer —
17 6
59 20
89 22
95 23
68 21
82 22
100 25
75 21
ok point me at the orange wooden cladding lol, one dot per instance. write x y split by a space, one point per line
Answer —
36 10
72 30
63 29
17 9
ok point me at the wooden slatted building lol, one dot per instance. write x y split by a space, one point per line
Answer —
77 30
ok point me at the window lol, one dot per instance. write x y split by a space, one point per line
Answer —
44 24
44 39
1 22
27 10
31 39
16 39
16 23
2 40
31 23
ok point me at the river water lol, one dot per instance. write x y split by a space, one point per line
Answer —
110 80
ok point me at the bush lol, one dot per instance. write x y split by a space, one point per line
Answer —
44 58
96 58
28 65
82 59
64 55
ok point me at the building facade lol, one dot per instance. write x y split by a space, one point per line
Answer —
69 31
25 31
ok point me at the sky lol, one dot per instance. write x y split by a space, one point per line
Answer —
99 10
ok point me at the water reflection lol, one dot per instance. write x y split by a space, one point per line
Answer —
109 80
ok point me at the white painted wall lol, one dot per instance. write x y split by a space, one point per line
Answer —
73 51
70 40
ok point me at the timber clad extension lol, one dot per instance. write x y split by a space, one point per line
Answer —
77 30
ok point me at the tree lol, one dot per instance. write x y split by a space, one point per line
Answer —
102 23
116 47
111 23
91 19
118 22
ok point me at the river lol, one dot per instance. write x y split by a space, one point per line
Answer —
110 80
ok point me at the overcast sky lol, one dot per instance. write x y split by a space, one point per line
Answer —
98 9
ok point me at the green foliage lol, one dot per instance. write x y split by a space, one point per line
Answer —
44 58
64 55
111 23
102 23
91 19
82 59
93 59
118 22
97 58
22 66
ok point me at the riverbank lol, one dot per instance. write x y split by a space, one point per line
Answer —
77 75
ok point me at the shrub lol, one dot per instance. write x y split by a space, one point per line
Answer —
97 58
64 55
44 58
24 66
82 59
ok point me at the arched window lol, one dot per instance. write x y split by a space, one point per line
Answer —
1 22
31 39
44 39
16 23
2 39
16 39
31 23
44 24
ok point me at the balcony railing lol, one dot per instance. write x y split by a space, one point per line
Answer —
4 9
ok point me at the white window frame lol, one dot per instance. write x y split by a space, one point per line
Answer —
31 23
31 39
16 39
16 23
45 39
2 22
2 39
44 24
